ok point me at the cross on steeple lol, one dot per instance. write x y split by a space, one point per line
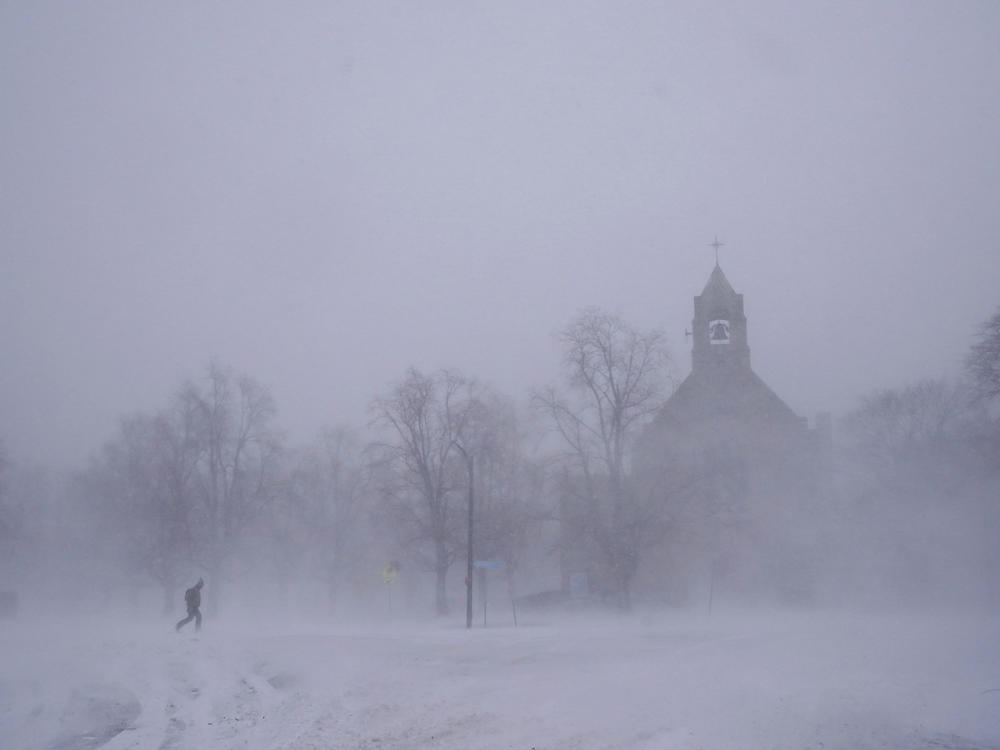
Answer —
716 244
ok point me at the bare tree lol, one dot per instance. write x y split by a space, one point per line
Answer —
126 488
508 488
918 492
617 380
912 440
12 521
179 489
982 365
6 514
326 508
427 418
144 487
240 461
983 361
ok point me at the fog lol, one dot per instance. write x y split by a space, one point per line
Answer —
528 375
325 197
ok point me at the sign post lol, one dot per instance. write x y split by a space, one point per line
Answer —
482 566
389 574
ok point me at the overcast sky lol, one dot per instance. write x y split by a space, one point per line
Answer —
324 194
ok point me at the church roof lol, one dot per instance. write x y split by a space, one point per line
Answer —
718 285
735 393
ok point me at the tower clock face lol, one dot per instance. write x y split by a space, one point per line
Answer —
718 332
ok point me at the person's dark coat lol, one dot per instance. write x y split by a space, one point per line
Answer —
192 600
192 597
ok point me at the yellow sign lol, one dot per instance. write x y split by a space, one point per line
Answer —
389 573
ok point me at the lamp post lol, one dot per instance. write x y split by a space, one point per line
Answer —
469 562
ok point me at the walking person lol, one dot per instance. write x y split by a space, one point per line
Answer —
192 598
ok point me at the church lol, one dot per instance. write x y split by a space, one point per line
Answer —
735 466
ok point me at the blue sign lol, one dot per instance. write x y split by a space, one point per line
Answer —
491 564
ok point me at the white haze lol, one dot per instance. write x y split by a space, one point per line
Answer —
322 195
325 195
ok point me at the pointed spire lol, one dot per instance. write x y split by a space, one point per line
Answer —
718 285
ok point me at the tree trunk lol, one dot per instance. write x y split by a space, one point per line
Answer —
624 572
441 572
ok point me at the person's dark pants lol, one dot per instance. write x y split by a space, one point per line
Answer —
193 614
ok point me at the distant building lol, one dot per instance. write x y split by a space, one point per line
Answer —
733 463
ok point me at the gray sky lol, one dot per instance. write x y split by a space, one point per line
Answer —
323 194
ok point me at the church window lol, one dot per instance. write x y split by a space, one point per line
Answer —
718 331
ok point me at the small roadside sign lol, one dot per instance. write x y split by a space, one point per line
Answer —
389 573
488 564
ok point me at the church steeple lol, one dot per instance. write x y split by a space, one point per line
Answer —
719 328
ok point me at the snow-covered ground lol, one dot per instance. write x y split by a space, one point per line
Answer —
664 680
